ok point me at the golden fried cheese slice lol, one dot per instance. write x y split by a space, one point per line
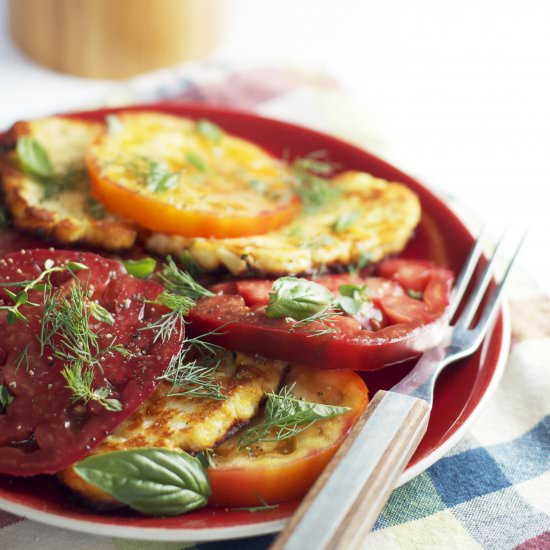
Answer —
60 207
180 422
371 218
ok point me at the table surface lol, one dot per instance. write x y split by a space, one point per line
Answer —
456 95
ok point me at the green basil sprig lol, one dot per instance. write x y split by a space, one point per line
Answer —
154 481
298 298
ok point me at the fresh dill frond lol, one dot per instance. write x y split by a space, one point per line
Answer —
170 324
79 379
67 332
193 371
262 507
41 282
193 378
286 416
23 359
190 265
177 281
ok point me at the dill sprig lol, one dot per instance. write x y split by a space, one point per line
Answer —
23 359
172 323
79 379
260 508
286 416
180 282
39 283
193 371
67 332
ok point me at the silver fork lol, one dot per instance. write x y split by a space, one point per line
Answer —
344 503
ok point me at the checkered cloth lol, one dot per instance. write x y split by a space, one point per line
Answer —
491 491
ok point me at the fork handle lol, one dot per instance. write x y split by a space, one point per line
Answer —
344 503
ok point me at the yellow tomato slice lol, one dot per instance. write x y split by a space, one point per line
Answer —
272 472
173 175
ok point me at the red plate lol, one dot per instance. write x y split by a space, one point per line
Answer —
440 237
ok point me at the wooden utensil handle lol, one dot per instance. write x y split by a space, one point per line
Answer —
344 503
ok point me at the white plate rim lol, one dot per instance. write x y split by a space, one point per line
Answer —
261 528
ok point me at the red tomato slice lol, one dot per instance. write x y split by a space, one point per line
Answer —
394 328
275 472
45 428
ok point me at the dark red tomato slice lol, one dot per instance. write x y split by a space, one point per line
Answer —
45 429
393 327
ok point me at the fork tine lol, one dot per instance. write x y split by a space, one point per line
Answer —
466 273
492 304
479 290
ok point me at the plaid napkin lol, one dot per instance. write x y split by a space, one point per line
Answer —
493 489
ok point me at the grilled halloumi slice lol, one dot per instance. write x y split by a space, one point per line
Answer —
180 422
61 208
372 218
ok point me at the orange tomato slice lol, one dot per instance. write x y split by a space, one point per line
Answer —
170 176
273 472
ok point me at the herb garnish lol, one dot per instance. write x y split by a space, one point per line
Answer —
363 261
67 332
154 481
353 298
310 179
142 269
177 281
113 124
416 294
196 377
5 221
35 161
196 161
95 209
260 508
40 283
190 265
33 157
209 130
346 221
298 298
286 416
159 178
23 358
6 398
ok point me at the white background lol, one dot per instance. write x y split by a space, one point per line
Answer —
457 92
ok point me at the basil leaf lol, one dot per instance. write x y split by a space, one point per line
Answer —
6 398
349 305
33 157
209 130
197 161
154 481
346 221
297 298
140 268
